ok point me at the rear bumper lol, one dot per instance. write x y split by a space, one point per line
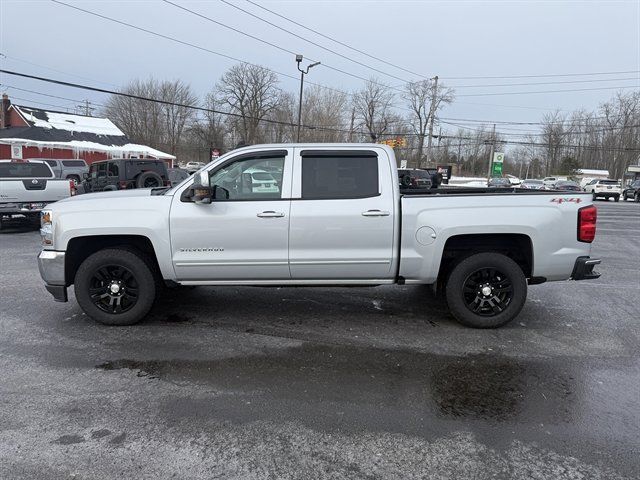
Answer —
22 208
583 268
51 266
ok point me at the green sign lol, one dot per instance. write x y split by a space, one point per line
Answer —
496 170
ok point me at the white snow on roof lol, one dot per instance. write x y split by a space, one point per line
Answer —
587 171
70 122
115 151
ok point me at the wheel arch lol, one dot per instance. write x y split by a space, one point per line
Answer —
516 246
79 248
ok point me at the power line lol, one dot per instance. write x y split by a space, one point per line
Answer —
547 75
544 83
13 97
198 47
546 91
147 99
56 70
277 122
315 44
337 41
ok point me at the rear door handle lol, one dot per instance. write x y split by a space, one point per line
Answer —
376 213
270 214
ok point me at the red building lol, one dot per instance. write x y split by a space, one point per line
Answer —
27 132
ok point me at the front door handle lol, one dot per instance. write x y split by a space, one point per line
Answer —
376 213
270 214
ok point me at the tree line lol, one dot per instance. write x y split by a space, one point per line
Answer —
247 106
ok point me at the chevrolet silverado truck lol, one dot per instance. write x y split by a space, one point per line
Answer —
27 186
333 214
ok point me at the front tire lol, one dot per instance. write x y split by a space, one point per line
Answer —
486 290
115 286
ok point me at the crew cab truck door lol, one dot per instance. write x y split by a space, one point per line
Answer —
343 212
242 234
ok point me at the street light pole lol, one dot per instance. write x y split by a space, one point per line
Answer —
302 74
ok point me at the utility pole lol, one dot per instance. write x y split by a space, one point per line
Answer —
493 144
432 111
86 107
353 119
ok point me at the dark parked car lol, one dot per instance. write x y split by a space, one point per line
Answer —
567 186
419 178
632 191
414 178
125 173
177 175
499 182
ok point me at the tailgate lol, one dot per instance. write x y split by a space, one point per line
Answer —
33 190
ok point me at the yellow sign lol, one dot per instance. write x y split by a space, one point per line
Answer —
395 142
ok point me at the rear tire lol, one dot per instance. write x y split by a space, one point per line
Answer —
116 286
636 198
486 290
616 198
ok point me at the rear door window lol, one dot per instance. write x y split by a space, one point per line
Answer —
112 169
24 170
74 163
333 175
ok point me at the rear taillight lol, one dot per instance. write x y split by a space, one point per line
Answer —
587 217
72 188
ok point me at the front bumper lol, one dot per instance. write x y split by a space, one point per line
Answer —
583 268
51 266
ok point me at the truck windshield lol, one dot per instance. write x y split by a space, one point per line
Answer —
24 170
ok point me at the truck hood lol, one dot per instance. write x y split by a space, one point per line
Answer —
138 192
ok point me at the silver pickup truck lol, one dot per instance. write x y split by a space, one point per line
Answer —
314 215
27 186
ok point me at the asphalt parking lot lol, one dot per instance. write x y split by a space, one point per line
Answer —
325 383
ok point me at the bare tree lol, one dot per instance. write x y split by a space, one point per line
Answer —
323 114
251 92
425 98
160 123
209 131
373 108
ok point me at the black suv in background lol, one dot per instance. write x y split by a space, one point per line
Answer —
632 191
419 178
125 173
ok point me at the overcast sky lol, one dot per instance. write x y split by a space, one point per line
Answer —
445 38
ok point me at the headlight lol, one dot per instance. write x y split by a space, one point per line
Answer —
46 228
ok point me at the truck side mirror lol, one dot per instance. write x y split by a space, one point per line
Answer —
202 191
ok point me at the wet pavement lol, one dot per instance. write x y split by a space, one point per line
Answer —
325 383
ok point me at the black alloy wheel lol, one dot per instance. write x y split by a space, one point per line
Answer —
487 292
116 286
113 289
